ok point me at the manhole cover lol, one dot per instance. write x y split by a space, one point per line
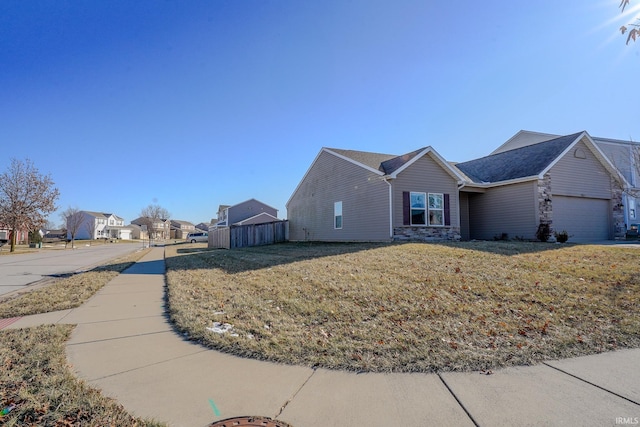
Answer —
249 422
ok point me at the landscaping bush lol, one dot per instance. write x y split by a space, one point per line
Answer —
543 233
562 236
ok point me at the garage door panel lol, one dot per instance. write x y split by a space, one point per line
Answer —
583 218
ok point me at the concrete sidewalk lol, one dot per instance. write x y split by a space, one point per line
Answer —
124 345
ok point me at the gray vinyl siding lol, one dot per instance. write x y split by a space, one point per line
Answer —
573 176
364 196
425 175
248 209
465 233
510 209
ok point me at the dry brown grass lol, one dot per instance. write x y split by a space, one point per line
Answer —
408 307
35 377
68 292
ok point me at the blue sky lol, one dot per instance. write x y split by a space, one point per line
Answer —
193 104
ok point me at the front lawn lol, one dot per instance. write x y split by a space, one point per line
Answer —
408 307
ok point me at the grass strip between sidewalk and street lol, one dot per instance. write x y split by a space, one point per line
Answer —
64 293
36 381
407 307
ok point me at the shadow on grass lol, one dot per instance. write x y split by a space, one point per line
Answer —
259 257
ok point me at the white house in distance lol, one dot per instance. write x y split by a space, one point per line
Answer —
99 225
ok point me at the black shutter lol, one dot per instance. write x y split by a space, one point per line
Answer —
447 210
406 208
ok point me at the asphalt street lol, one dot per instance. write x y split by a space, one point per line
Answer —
19 271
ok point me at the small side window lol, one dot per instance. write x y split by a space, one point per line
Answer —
337 215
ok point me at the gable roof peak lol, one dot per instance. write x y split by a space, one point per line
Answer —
522 162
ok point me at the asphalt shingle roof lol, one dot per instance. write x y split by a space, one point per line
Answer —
518 163
373 160
397 162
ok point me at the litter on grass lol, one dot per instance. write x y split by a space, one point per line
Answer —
222 328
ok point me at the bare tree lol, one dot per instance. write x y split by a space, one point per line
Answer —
73 218
90 226
154 217
26 198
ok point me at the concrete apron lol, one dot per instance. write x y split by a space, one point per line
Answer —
124 345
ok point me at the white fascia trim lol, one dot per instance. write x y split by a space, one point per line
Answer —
333 153
304 177
435 156
593 147
561 155
501 183
254 217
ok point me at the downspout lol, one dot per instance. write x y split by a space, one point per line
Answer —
390 207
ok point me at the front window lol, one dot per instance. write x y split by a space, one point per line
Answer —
337 215
436 209
418 209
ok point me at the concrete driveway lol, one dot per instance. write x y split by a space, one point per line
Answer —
18 271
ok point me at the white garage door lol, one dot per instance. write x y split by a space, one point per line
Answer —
584 219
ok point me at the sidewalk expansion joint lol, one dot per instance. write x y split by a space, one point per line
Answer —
115 374
282 408
119 337
466 411
592 384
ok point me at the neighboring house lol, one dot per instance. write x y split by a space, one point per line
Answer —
161 227
203 226
221 218
180 229
99 225
251 211
54 235
567 183
624 155
22 236
137 233
349 195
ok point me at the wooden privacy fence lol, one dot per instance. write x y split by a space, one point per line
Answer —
243 236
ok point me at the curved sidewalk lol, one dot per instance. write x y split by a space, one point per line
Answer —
124 345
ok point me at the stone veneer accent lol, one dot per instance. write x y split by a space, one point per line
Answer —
619 227
426 234
545 202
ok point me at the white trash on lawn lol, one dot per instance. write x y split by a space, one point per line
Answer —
222 328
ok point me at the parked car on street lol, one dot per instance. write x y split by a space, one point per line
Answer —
201 236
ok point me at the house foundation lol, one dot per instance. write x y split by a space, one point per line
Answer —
426 234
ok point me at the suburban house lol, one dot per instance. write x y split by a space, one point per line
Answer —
137 233
22 236
203 226
349 195
180 229
565 182
624 155
251 211
156 229
98 225
250 223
